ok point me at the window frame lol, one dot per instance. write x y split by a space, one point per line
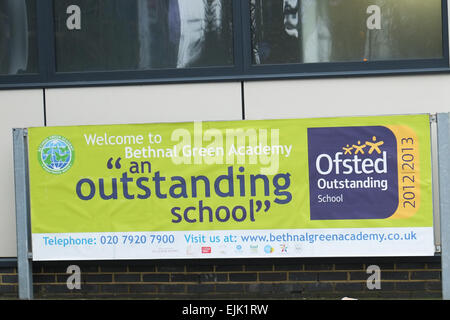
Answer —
242 70
301 70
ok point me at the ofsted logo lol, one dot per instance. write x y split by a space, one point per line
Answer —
352 172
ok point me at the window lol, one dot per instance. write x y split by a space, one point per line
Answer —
315 31
18 50
104 35
89 42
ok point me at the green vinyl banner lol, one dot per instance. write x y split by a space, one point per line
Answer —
358 186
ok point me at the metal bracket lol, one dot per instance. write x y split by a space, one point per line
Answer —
433 118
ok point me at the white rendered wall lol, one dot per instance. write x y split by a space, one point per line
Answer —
18 109
347 96
144 104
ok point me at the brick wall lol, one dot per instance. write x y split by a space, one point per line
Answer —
401 278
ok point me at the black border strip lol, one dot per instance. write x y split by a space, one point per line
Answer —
10 262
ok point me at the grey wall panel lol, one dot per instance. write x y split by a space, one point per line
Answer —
144 104
347 96
18 109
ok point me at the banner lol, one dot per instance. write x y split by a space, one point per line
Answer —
358 186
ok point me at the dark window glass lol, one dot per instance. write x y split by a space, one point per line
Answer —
18 49
308 31
103 35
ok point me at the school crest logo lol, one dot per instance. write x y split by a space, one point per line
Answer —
56 154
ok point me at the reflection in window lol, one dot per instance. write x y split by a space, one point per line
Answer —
306 31
142 34
18 51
